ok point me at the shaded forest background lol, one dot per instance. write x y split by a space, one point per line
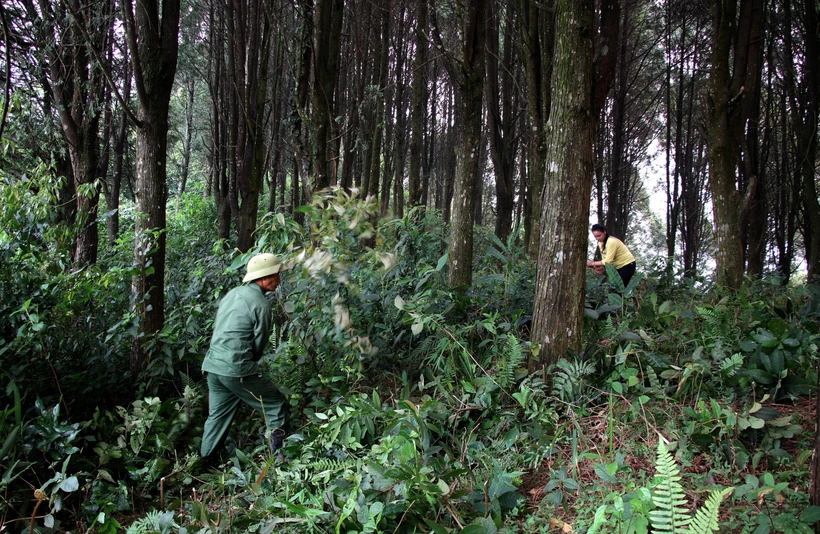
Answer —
443 105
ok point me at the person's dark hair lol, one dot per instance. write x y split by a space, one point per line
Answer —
597 227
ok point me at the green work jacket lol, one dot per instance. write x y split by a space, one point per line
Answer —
241 332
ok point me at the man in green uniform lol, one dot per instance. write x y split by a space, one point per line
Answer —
241 332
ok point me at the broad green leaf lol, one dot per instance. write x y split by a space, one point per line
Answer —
810 515
612 468
303 511
70 484
482 525
747 345
791 342
756 423
437 529
592 314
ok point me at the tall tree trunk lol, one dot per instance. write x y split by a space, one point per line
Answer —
559 286
418 105
278 99
249 39
301 157
788 200
810 201
757 214
380 76
690 166
77 84
469 98
806 123
350 99
190 85
501 120
673 179
430 144
152 30
327 33
113 186
219 113
737 38
538 36
396 133
619 183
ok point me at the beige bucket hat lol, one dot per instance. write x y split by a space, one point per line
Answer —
263 265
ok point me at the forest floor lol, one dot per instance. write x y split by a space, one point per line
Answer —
633 441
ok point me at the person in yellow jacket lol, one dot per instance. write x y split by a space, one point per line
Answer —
613 251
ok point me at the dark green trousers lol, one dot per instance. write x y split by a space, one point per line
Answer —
224 396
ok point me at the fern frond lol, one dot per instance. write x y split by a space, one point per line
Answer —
706 518
425 348
715 321
153 522
670 514
569 379
328 468
730 365
654 383
188 381
609 330
330 464
658 361
508 361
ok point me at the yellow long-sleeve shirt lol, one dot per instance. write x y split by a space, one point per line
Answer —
615 252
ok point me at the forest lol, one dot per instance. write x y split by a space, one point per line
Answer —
428 171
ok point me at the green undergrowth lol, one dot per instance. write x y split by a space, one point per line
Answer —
688 410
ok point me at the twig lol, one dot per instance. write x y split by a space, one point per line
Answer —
40 496
162 487
7 87
403 515
59 388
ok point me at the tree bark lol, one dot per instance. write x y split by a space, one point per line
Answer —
418 105
301 157
152 30
619 183
806 123
538 37
113 186
469 95
77 87
249 36
501 120
736 39
219 112
559 288
380 79
810 201
327 34
189 131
